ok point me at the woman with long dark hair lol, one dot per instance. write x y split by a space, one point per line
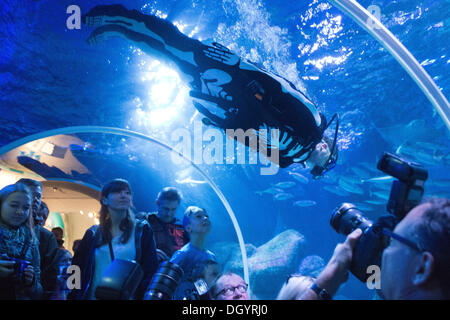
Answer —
120 236
19 260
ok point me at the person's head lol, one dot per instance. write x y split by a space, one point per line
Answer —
66 258
196 221
294 287
229 286
320 157
58 232
59 235
116 195
15 205
75 245
168 201
208 270
422 272
36 192
41 217
116 199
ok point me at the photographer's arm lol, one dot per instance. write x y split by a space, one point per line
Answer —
336 271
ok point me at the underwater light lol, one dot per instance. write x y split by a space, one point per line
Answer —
167 93
160 116
163 92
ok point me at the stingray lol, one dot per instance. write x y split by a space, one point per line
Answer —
399 134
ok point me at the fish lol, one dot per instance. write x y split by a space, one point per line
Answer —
330 178
381 187
380 194
337 191
368 166
376 202
400 133
300 178
445 183
417 154
352 188
285 184
295 167
363 206
305 203
433 147
190 181
379 179
283 196
360 172
270 191
350 179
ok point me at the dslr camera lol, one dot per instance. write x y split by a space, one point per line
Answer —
200 291
164 282
406 193
19 266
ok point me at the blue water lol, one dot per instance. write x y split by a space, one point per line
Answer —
51 78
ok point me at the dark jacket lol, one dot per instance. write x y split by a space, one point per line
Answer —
85 258
169 237
48 248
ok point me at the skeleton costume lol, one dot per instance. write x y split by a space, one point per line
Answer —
229 92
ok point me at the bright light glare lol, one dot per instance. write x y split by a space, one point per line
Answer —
167 94
163 91
161 115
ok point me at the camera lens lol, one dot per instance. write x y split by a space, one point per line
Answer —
347 218
164 282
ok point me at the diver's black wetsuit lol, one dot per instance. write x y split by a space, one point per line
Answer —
230 92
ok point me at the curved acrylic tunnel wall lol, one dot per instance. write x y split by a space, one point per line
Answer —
381 110
91 156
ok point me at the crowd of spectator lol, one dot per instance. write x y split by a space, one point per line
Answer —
34 262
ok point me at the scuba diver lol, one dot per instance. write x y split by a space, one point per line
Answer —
229 92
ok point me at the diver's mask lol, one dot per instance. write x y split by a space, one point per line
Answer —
318 171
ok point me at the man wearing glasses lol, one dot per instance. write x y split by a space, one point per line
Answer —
415 265
230 286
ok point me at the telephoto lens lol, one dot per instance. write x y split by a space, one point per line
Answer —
164 282
347 218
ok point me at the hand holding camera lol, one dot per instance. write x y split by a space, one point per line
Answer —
6 268
20 270
28 275
336 271
343 254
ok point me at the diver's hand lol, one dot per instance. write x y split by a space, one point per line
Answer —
222 54
279 139
115 21
6 268
106 14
